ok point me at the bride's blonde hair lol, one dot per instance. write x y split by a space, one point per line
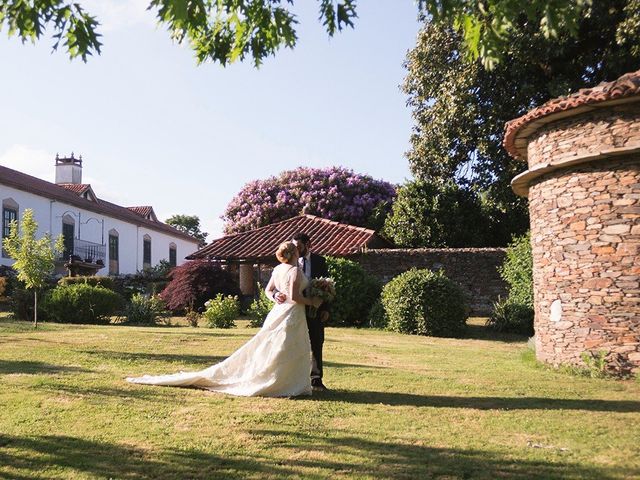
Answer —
286 251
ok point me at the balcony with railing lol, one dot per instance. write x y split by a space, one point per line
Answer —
83 251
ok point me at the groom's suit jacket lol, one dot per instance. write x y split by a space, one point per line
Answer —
318 266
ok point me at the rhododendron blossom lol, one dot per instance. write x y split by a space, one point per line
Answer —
334 193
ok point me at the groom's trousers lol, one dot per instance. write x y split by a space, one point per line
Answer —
316 335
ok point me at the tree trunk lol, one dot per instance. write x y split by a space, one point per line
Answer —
35 308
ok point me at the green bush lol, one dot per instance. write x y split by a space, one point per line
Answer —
259 308
511 316
423 302
356 292
517 270
81 303
145 310
21 305
222 311
377 316
515 313
94 281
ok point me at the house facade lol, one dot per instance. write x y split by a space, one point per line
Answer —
99 236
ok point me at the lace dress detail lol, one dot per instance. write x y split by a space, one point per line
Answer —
276 362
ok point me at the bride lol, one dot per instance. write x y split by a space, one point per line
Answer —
276 362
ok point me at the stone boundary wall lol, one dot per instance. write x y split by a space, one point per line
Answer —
474 269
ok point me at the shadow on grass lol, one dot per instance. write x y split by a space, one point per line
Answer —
31 367
23 458
206 360
353 365
477 331
478 403
98 393
199 332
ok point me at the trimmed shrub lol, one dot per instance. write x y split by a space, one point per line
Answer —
259 308
10 276
143 282
377 316
423 302
194 282
222 311
4 283
94 281
21 305
356 292
82 303
515 313
145 310
512 317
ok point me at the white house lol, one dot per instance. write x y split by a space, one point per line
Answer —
99 236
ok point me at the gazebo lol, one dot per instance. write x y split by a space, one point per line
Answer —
252 253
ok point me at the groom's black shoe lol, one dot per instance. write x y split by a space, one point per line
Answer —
318 386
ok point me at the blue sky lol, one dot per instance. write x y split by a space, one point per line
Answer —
156 129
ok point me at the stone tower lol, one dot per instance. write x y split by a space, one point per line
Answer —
583 186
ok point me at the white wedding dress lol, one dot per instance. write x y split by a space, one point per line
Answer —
276 362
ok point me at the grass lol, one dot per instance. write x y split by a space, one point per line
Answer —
400 407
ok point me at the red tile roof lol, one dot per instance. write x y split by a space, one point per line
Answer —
327 238
78 188
144 211
626 86
37 186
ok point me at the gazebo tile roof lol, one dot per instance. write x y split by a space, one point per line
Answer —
328 237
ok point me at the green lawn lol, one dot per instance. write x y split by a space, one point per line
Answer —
400 407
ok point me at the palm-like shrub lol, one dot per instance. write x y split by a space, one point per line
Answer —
145 309
423 302
194 282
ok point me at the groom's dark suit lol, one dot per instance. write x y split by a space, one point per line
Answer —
316 327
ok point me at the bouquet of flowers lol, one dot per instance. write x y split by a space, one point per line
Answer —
325 288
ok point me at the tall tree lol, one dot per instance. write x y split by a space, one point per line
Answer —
34 258
460 108
189 224
436 214
228 30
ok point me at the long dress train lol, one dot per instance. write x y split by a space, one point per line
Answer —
276 362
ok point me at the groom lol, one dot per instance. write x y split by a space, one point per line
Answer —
314 266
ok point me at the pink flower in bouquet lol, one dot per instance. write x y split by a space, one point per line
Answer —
324 288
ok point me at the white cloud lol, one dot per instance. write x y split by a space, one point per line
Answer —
32 161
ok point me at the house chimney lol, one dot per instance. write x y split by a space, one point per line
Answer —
69 170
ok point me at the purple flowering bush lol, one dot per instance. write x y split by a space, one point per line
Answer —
334 193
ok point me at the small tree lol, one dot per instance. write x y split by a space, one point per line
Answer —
195 282
189 224
34 259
